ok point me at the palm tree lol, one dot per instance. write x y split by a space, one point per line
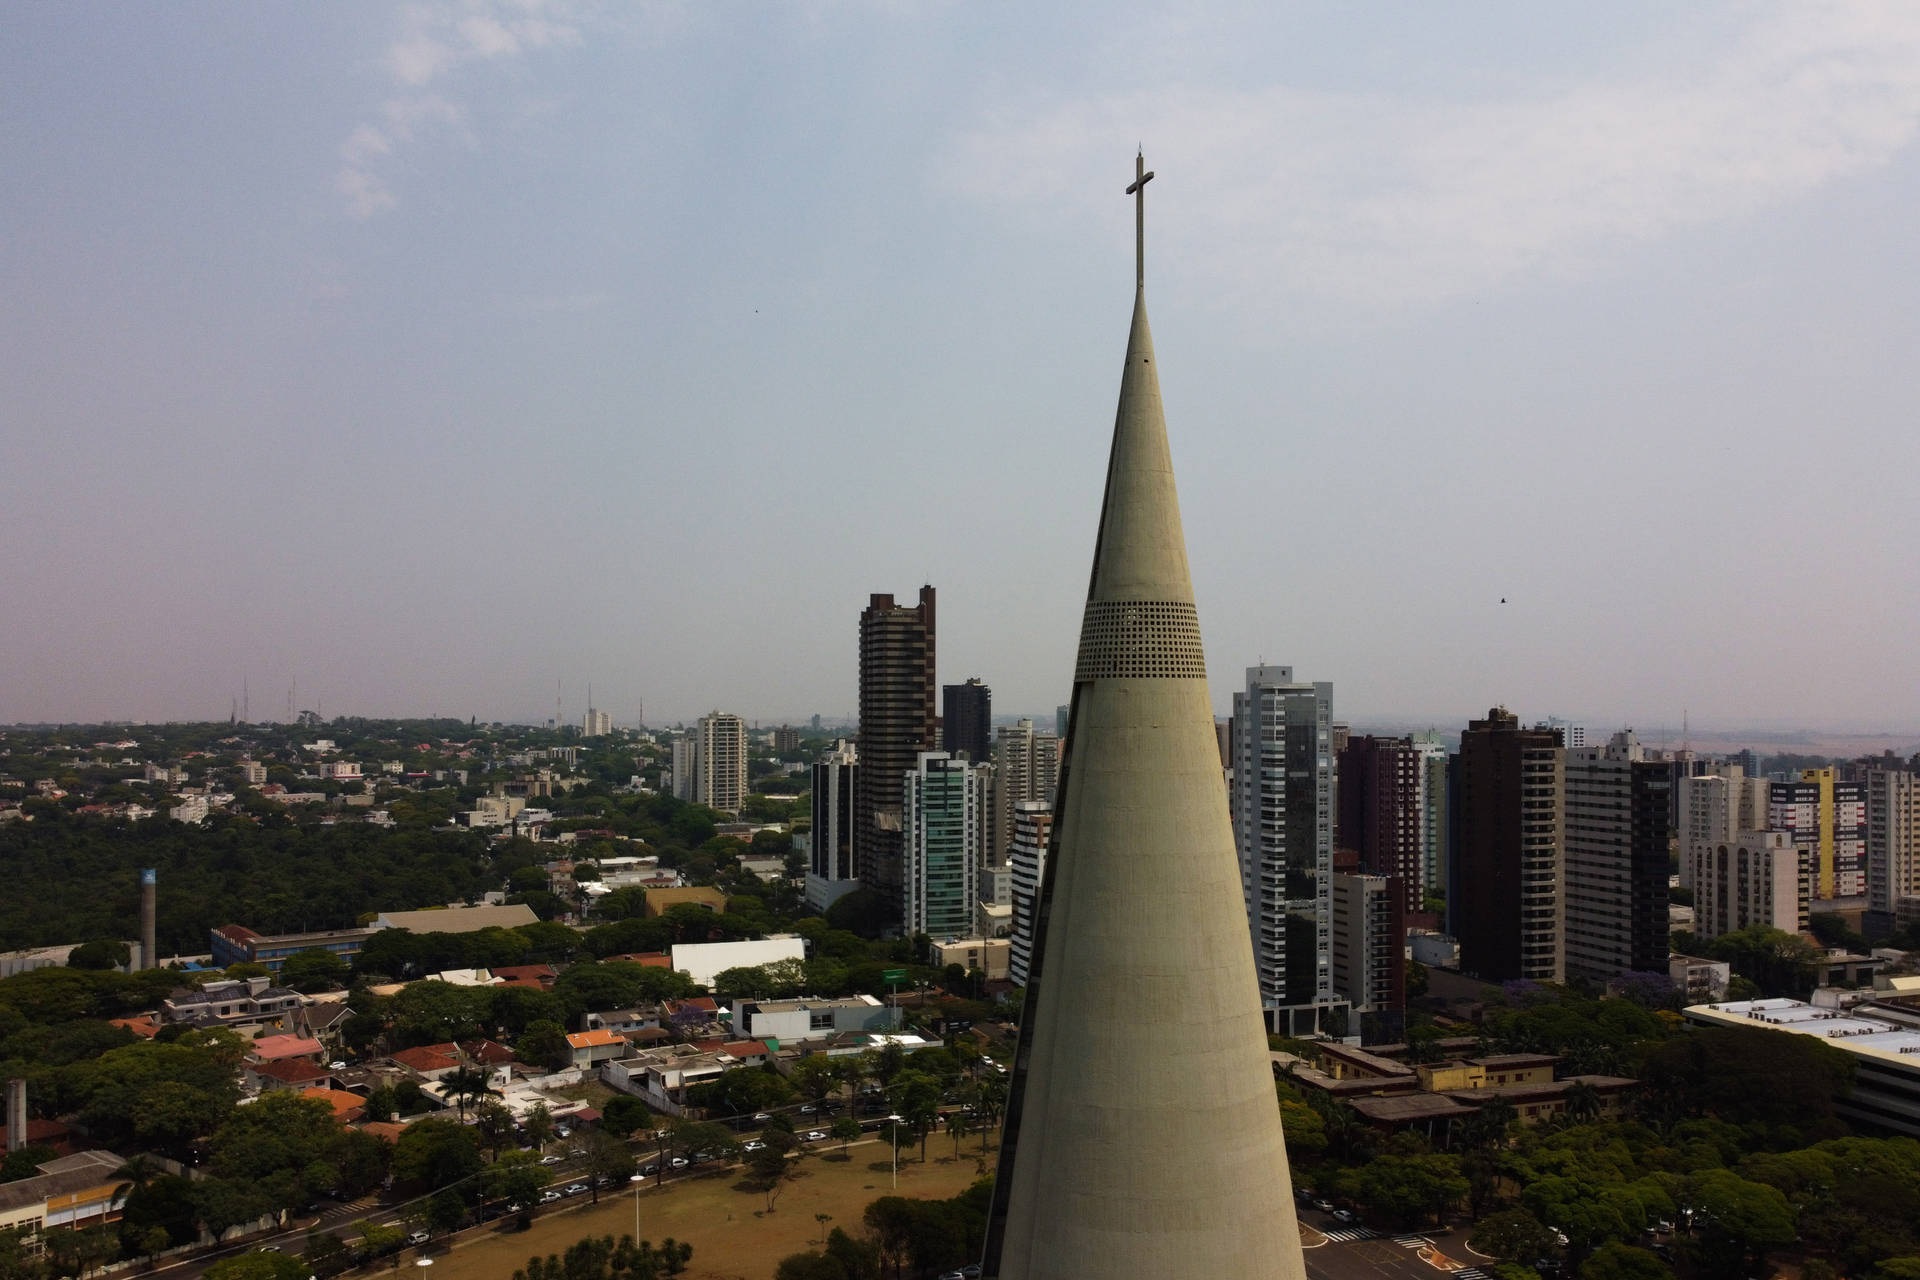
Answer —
958 1122
465 1084
1583 1102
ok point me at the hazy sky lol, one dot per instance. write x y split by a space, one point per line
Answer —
433 354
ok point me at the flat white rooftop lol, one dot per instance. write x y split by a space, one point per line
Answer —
1855 1031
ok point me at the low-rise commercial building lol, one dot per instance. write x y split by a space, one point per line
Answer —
233 944
794 1021
1883 1041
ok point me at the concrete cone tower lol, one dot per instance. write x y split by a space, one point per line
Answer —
1143 1136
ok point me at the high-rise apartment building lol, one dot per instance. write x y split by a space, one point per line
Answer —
966 714
1756 878
596 723
1614 815
1379 789
685 763
720 776
830 871
944 810
1713 808
1282 804
1504 896
1026 767
1827 818
1370 951
897 723
1893 842
1435 825
1027 859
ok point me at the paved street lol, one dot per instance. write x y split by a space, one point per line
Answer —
1353 1252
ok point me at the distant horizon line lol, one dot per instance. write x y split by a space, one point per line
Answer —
1661 735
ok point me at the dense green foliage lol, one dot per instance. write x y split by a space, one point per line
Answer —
74 878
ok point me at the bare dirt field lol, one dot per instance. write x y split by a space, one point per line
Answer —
733 1236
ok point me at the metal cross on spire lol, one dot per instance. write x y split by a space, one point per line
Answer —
1141 177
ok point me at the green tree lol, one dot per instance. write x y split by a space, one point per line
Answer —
1513 1235
435 1153
543 1043
1743 1221
466 1085
315 969
539 1126
608 1160
517 1178
446 1211
99 954
1617 1261
1402 1191
493 1122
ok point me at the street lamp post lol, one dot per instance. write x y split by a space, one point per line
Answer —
636 1180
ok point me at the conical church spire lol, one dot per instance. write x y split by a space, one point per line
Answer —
1142 1129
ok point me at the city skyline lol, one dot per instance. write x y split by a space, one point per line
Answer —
410 354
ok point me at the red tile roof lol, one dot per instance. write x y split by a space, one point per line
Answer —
288 1071
428 1057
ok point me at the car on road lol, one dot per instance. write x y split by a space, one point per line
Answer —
551 1159
678 1162
1323 1206
648 1170
549 1196
1346 1216
816 1135
574 1188
762 1117
755 1145
416 1237
808 1108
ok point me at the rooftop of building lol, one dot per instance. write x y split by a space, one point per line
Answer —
1857 1030
809 1003
458 919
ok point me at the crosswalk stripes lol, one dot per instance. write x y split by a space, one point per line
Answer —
1470 1273
1412 1242
1350 1233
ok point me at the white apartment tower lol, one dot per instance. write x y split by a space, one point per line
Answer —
1757 878
685 763
1893 842
1432 800
1026 767
720 778
1369 943
1027 859
1714 808
1282 803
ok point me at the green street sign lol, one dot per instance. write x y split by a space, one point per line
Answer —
894 976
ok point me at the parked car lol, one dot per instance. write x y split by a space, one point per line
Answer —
574 1188
416 1237
1347 1216
549 1196
755 1145
551 1159
816 1135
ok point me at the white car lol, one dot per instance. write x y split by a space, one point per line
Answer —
816 1135
755 1145
551 1159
